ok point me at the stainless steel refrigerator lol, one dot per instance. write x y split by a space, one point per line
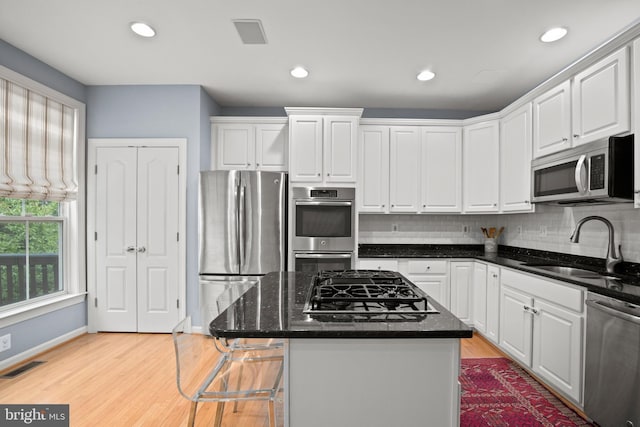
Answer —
242 230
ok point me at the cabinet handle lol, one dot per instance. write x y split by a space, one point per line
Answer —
257 164
383 205
142 249
576 135
526 308
318 174
428 267
638 192
495 204
526 202
131 249
424 206
328 174
564 140
535 311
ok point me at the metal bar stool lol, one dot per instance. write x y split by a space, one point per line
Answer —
204 374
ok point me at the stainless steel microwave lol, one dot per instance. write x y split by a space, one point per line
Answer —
323 219
598 172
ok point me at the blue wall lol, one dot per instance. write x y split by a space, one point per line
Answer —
39 330
165 111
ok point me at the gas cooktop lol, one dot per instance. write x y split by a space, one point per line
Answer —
366 293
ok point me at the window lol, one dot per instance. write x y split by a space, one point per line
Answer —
30 250
41 239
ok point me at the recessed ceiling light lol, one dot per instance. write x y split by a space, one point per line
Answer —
142 29
553 34
426 75
299 72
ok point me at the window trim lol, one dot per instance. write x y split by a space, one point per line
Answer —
74 235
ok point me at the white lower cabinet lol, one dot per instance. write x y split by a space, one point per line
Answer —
480 297
378 264
541 326
430 276
493 303
461 280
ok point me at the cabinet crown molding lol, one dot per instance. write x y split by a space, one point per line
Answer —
248 119
410 122
321 111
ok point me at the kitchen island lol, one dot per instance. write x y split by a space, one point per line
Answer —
346 370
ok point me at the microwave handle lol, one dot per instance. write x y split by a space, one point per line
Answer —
305 203
581 174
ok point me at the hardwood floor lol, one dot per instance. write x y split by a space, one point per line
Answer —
113 379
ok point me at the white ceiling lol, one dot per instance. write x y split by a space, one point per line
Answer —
360 53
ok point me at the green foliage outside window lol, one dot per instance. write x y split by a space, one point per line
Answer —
22 218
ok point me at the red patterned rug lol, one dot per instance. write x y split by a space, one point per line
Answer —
498 393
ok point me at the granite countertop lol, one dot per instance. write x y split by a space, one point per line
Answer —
273 308
625 286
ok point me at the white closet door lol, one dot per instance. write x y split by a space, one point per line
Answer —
116 232
157 239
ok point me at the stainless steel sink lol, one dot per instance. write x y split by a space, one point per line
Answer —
566 271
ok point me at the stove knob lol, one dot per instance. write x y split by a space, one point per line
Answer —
323 242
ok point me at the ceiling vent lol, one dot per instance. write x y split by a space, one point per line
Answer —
250 31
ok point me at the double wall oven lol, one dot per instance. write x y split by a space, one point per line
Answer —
323 228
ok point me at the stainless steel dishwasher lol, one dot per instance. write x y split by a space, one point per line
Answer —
612 369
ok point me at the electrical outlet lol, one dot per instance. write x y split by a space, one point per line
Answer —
394 227
519 230
5 342
465 229
543 230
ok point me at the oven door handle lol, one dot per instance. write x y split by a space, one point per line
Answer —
323 255
581 175
598 305
305 203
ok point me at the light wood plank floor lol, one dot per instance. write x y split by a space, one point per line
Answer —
113 379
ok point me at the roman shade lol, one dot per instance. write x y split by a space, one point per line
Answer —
37 145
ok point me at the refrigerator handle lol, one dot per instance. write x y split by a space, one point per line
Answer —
242 228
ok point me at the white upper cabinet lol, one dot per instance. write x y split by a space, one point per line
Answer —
552 120
373 170
600 99
441 169
480 148
515 161
271 147
249 143
323 145
305 150
340 148
594 104
404 168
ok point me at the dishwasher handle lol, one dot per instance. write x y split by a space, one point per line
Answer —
603 306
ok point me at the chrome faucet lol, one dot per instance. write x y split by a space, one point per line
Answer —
612 258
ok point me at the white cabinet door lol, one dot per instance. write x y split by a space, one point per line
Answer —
441 169
377 264
271 147
404 168
461 279
557 347
305 148
552 120
433 285
515 161
516 324
234 144
493 303
636 121
373 171
480 297
340 148
600 99
480 148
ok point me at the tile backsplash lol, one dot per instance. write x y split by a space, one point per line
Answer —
548 229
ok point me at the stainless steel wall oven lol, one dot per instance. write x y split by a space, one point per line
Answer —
323 219
323 228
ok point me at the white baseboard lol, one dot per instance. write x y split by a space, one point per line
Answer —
34 351
196 329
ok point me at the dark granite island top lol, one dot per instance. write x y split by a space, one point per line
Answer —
273 308
345 372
